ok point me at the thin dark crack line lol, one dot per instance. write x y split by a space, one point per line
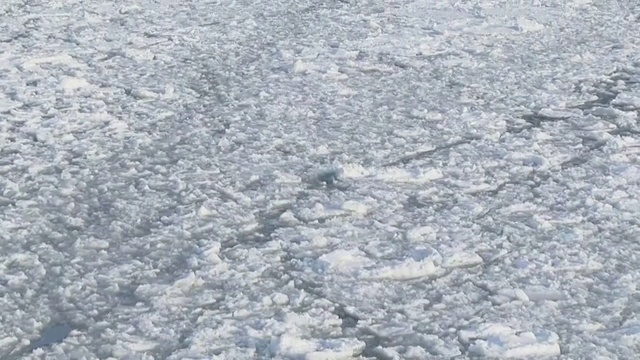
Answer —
423 154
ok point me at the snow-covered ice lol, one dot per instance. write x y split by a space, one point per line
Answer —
370 179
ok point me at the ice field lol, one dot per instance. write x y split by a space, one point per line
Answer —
319 179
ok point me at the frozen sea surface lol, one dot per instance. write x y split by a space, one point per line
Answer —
319 179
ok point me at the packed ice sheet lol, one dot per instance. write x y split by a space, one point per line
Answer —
319 179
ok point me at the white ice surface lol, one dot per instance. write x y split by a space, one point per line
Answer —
319 179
